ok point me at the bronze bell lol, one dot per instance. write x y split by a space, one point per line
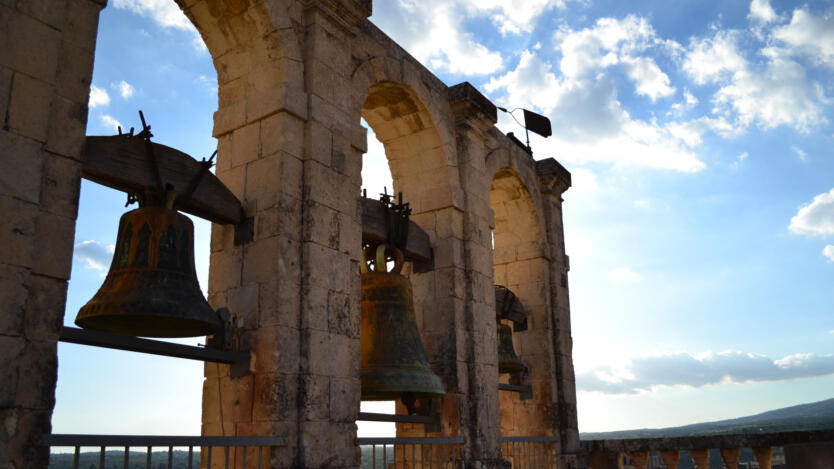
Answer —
151 289
394 363
508 361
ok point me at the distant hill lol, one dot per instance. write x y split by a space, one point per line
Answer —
813 416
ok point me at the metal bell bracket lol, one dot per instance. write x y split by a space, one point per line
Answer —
380 259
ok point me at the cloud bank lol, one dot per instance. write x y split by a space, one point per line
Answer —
684 369
97 256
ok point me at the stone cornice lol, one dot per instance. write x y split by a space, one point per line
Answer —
553 177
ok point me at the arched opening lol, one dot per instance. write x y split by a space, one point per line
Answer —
414 152
179 78
520 264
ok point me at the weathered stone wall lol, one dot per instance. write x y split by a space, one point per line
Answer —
46 57
295 78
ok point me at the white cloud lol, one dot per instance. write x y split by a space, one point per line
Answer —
800 153
810 35
762 12
684 369
780 94
648 78
432 31
828 251
815 218
739 159
512 17
165 13
642 203
623 275
714 58
110 121
125 89
98 97
689 102
96 255
589 124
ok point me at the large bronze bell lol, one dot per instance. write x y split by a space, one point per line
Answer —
151 289
508 361
394 363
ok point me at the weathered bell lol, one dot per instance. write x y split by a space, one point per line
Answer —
151 289
508 361
394 363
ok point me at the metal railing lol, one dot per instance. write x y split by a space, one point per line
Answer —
529 452
247 450
410 453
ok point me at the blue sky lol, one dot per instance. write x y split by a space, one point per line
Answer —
699 225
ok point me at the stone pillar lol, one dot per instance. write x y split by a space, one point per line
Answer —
730 457
46 64
639 459
480 420
292 277
554 180
763 456
701 458
670 458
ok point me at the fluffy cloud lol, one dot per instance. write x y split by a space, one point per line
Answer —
96 255
739 159
611 42
714 58
810 35
512 17
98 97
111 122
815 218
762 12
684 369
623 275
779 94
432 31
828 252
589 124
125 89
165 13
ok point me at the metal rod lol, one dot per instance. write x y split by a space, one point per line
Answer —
373 456
127 457
75 457
226 452
148 461
170 457
101 458
190 456
75 335
260 456
245 450
384 456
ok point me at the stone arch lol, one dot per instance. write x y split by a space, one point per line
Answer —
520 262
418 155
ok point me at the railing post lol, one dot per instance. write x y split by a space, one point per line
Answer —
670 458
730 457
763 456
639 459
701 458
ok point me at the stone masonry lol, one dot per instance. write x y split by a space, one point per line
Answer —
295 78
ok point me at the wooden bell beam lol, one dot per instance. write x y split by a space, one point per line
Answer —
121 162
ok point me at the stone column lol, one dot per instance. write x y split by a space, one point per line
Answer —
554 180
763 456
46 64
639 459
480 421
701 458
670 458
730 457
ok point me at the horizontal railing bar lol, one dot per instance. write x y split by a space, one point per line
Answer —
156 440
530 439
742 440
75 335
374 417
410 441
515 387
